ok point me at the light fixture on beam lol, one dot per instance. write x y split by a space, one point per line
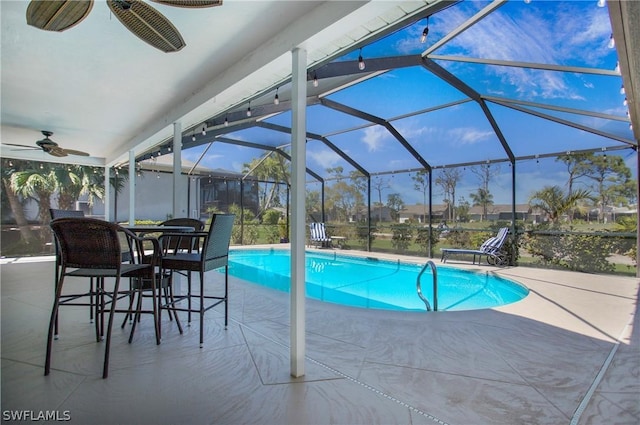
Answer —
425 32
249 110
361 64
276 100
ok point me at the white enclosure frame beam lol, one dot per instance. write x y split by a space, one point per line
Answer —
132 188
298 174
107 193
177 168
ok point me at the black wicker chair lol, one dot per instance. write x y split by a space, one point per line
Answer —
93 248
213 254
70 299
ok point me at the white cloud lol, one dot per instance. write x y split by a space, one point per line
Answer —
468 136
325 158
374 136
530 37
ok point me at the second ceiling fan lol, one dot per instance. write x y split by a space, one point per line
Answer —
140 18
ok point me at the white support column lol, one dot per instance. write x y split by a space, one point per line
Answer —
178 192
107 193
298 167
132 188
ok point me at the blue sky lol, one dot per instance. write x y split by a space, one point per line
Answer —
568 33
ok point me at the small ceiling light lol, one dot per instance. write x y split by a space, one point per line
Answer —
169 149
621 89
602 3
226 121
425 32
249 110
626 102
315 80
204 130
617 69
276 100
612 42
361 64
193 136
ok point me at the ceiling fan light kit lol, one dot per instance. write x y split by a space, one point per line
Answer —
140 18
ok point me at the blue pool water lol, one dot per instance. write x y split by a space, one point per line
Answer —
377 284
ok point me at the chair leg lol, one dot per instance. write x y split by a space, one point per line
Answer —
105 370
91 299
135 317
99 311
175 313
132 297
155 299
226 296
189 298
53 322
201 308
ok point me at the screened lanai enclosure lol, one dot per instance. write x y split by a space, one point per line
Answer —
436 125
458 115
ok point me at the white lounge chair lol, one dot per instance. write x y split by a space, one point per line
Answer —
491 248
318 235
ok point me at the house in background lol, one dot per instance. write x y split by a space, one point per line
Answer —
420 213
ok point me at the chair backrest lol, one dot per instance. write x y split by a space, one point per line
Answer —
495 243
317 231
55 213
215 252
182 243
88 242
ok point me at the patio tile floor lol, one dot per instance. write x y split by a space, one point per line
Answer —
568 353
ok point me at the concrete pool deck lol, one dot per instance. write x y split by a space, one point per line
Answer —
568 353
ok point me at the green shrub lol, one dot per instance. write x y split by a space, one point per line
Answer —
402 235
423 238
573 251
271 217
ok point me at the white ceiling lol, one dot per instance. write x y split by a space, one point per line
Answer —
102 90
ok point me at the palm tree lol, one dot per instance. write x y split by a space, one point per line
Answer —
482 198
17 209
554 202
38 183
72 181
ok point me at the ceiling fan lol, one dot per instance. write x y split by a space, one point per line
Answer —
140 18
50 147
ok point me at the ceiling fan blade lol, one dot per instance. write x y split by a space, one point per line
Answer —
74 152
148 24
190 3
57 15
20 146
55 151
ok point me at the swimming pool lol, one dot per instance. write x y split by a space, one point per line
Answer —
373 283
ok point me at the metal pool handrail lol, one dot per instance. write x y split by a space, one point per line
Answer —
435 286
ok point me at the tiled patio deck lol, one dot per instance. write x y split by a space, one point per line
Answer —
568 353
